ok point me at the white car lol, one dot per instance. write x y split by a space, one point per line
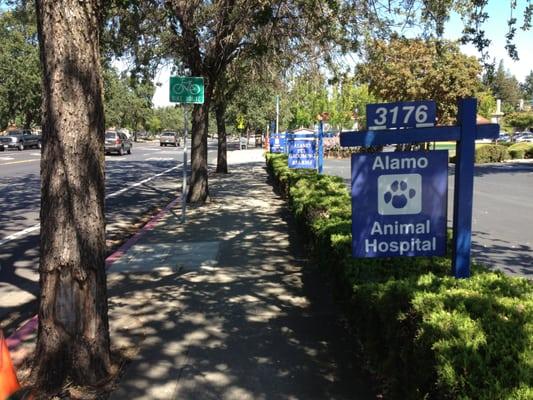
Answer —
528 138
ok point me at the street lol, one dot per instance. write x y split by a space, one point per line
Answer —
136 186
502 213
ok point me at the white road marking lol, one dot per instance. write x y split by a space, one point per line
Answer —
19 234
7 158
35 154
119 192
33 228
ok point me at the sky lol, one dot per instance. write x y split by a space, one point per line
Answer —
495 28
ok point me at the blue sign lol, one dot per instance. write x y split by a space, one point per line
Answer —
411 114
464 133
399 203
302 152
278 142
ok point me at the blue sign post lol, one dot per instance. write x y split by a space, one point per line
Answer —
465 134
399 203
320 146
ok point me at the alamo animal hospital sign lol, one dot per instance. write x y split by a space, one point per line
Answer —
399 203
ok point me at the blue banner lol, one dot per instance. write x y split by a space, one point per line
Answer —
302 152
278 142
399 203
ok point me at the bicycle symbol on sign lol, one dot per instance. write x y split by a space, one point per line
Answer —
186 87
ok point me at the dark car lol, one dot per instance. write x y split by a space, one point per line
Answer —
117 142
20 139
169 138
141 135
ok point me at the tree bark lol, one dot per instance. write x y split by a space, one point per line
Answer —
198 188
73 335
222 158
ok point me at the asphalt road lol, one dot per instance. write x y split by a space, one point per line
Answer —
136 185
502 218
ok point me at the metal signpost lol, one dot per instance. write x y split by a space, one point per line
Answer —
394 194
186 90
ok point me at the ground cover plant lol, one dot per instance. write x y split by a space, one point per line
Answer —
426 334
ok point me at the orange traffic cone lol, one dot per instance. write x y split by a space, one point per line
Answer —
9 383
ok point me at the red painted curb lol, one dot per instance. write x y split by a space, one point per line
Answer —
31 325
135 238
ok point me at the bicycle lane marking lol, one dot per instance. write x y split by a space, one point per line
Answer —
35 227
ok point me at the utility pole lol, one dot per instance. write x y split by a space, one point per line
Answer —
277 114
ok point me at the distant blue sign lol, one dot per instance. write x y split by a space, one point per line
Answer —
399 203
302 152
278 142
410 114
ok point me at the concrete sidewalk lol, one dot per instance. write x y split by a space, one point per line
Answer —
226 306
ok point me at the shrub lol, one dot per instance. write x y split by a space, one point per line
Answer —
522 150
491 153
428 334
517 153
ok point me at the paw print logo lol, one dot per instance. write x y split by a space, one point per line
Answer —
399 194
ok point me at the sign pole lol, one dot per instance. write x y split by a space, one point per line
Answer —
464 188
184 184
277 114
320 146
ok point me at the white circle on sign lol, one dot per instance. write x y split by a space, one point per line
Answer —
399 194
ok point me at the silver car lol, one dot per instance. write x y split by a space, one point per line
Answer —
117 142
169 138
20 139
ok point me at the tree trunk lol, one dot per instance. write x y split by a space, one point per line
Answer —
198 188
73 335
222 158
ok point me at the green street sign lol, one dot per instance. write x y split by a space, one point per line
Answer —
187 89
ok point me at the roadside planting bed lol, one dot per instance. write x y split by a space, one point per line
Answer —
424 333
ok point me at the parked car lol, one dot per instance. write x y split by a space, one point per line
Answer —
141 135
528 138
169 138
504 137
20 139
117 142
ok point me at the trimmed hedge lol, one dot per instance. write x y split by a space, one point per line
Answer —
490 153
424 333
521 150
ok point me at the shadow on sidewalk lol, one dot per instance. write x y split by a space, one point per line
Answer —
260 324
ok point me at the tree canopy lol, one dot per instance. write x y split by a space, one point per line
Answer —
20 74
414 69
504 86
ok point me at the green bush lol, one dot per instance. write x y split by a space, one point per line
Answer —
427 335
490 153
517 153
522 150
